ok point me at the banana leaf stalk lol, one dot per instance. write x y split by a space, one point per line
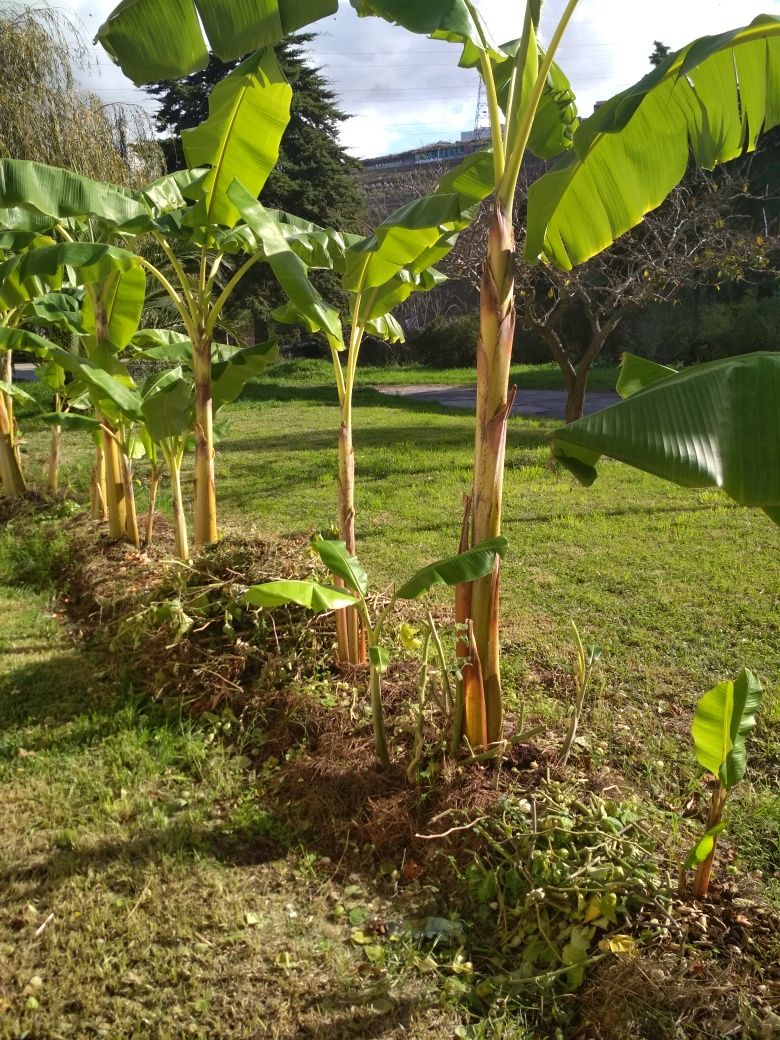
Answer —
97 485
173 458
154 483
55 450
11 474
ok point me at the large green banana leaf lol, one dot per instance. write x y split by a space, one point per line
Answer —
172 192
60 309
164 39
169 406
32 274
228 378
637 373
456 570
711 100
164 345
104 386
15 391
420 234
289 269
112 312
23 222
319 598
452 20
248 113
723 719
51 192
713 425
73 421
341 563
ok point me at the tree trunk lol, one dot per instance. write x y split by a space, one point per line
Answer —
205 485
348 627
494 403
11 474
179 519
54 458
575 400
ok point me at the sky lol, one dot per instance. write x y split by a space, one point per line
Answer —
402 90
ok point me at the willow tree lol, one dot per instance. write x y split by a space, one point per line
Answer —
49 117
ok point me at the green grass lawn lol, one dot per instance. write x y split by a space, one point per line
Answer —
146 890
680 588
529 377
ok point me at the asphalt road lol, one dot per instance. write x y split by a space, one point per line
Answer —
542 404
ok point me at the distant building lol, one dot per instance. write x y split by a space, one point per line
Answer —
390 181
441 153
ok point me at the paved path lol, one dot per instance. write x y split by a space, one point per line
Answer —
24 373
544 404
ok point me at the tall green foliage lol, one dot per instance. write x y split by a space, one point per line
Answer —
314 177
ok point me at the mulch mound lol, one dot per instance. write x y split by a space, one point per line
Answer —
177 633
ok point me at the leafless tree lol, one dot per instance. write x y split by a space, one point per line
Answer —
696 238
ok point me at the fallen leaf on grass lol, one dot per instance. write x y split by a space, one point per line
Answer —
621 945
285 961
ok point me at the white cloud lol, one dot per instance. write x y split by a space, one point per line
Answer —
402 89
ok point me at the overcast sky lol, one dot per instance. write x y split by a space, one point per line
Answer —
402 90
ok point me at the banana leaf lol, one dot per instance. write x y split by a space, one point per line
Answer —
248 113
115 312
711 100
723 719
420 234
341 563
55 194
319 598
289 269
31 274
169 406
155 40
637 373
713 425
455 570
228 378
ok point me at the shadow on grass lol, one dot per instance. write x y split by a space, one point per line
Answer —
52 691
237 846
367 437
350 1019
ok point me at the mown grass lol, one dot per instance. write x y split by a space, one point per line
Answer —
147 891
528 377
680 588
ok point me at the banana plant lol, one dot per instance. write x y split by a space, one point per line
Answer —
723 718
378 273
711 99
248 112
353 592
168 409
29 280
